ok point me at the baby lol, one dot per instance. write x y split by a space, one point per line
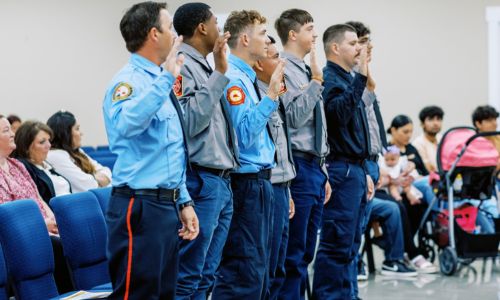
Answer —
396 167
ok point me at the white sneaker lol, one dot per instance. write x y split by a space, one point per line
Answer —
422 265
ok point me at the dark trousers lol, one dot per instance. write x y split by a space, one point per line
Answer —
243 269
279 240
142 247
199 259
341 231
308 193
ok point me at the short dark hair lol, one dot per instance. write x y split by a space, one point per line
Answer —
237 21
430 112
13 118
138 21
361 29
482 113
188 16
398 122
291 19
335 34
25 135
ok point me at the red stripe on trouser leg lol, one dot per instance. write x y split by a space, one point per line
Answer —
130 242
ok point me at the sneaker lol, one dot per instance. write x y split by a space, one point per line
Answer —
362 271
422 265
397 268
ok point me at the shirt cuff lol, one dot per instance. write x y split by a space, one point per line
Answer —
217 82
267 106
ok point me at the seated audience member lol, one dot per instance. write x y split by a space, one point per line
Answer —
397 166
15 184
33 144
82 172
15 122
15 181
484 118
431 120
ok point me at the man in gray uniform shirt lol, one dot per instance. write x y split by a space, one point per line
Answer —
211 143
282 175
304 108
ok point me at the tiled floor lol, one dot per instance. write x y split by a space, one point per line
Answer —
479 281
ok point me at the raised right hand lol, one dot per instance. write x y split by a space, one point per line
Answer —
363 60
276 79
316 71
220 56
174 62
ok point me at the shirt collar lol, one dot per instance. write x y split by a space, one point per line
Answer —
338 69
242 66
195 54
295 60
145 64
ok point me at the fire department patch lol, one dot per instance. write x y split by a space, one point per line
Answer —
122 91
178 86
235 95
282 88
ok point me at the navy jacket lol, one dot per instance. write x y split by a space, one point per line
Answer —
345 113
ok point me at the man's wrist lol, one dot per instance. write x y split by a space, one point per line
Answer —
186 204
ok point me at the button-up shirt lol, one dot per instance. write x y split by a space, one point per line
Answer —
144 129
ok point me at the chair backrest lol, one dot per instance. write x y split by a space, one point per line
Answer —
107 161
83 235
103 195
102 148
27 250
3 277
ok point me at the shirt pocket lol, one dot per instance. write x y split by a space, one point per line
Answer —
164 118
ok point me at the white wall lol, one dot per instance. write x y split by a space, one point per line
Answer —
61 54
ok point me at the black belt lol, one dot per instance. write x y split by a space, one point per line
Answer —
160 194
285 184
217 172
263 174
309 157
358 161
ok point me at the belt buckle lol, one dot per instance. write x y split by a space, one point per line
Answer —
175 195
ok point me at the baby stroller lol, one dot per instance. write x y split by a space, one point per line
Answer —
466 168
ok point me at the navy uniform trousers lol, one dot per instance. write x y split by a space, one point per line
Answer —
201 257
137 225
243 270
341 231
308 193
279 239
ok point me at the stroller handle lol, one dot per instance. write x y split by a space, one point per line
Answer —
481 134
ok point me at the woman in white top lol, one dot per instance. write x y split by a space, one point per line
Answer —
69 160
33 144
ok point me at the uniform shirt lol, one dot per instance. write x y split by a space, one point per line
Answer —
300 100
250 116
427 149
200 92
144 129
345 112
369 99
285 169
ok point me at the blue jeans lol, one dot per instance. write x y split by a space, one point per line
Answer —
199 258
341 231
308 193
279 240
425 188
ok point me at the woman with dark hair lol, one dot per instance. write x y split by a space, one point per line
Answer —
69 160
33 144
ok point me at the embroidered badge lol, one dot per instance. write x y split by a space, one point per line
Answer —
235 95
282 88
178 86
122 91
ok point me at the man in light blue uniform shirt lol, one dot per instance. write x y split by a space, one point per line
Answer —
243 270
145 131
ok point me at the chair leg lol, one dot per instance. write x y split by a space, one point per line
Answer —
369 252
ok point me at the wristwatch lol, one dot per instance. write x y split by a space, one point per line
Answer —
186 204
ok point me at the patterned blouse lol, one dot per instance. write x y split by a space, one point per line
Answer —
17 184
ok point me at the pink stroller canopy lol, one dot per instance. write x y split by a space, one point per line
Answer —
480 153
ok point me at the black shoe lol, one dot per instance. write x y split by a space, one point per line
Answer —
397 268
362 271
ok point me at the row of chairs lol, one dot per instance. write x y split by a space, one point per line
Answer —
101 154
27 249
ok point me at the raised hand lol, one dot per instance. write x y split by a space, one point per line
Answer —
174 62
276 80
220 56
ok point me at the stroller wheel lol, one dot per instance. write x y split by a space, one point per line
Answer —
448 261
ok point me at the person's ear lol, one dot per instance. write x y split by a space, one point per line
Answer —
258 66
202 29
292 35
